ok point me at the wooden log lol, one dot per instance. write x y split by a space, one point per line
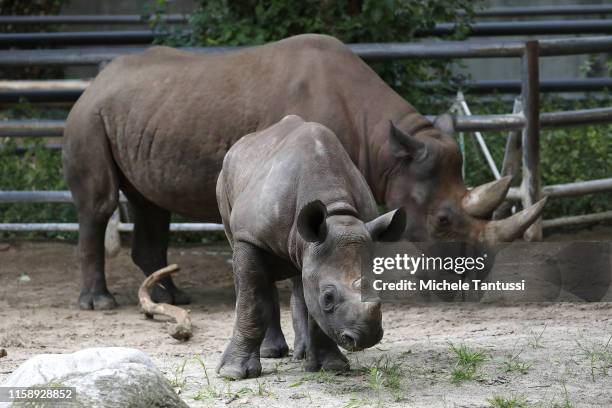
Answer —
182 329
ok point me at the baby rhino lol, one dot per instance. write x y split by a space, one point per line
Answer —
295 206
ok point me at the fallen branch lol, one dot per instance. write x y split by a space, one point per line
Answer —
182 329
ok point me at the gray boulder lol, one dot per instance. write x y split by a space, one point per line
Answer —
103 377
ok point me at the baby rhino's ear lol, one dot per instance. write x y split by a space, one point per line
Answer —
388 227
311 223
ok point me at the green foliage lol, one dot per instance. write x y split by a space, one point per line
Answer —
38 168
253 22
29 7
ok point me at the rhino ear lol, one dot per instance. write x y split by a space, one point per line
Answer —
388 227
445 123
403 145
311 223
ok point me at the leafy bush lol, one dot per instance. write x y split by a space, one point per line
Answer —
253 22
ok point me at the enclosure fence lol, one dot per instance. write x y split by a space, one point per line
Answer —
522 155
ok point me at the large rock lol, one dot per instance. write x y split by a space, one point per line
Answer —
103 377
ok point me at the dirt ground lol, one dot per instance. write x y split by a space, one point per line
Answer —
533 354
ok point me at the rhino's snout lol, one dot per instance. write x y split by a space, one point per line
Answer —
354 341
366 329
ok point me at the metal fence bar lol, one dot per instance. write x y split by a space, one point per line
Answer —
125 19
577 219
369 52
530 186
82 19
40 196
55 128
57 91
555 190
557 10
497 28
32 128
576 117
568 189
514 86
123 227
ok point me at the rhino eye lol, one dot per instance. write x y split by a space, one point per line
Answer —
329 299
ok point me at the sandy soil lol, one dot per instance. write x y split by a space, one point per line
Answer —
561 348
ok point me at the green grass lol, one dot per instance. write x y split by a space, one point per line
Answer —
467 363
322 377
507 402
178 379
224 392
535 340
566 403
599 356
513 364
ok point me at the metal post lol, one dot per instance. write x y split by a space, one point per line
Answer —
511 165
479 139
530 94
456 109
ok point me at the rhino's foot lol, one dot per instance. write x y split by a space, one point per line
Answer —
171 297
233 367
102 300
329 359
274 346
299 350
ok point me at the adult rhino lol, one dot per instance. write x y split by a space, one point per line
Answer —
157 125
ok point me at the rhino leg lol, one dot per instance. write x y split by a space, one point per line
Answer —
254 309
150 247
274 344
92 177
299 316
322 353
311 343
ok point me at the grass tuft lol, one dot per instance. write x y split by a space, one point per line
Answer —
467 363
507 402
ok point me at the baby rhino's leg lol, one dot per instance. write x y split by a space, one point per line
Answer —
274 344
254 310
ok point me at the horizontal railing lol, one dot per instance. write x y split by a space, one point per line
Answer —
369 52
55 128
477 29
134 19
121 227
69 91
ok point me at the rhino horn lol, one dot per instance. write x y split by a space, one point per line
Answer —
481 201
512 227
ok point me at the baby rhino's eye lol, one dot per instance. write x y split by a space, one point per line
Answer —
329 299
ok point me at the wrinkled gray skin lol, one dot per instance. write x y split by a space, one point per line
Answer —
157 125
294 205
